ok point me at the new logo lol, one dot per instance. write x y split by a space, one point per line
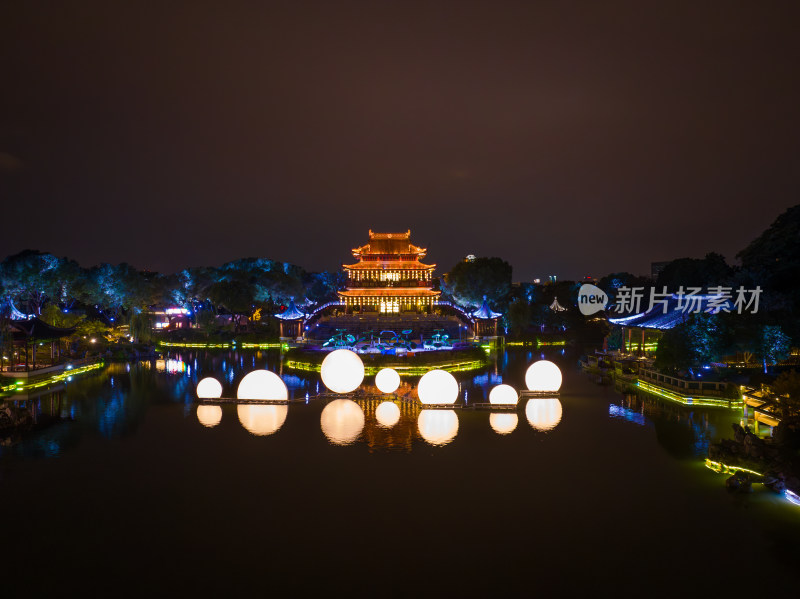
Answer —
591 299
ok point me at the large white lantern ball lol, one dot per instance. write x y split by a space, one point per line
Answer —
502 423
262 419
209 416
543 376
342 421
387 414
437 387
438 427
209 388
342 371
503 395
387 380
262 385
543 414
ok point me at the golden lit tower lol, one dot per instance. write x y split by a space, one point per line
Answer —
389 276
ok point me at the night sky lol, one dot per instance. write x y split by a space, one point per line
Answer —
568 138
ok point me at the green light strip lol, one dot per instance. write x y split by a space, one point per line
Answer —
230 345
402 370
63 375
721 468
688 401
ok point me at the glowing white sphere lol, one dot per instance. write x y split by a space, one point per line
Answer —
209 388
209 416
342 421
437 387
504 395
262 419
387 380
342 371
503 423
543 376
438 427
262 384
543 414
387 414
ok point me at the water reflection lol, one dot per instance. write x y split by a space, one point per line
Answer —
262 420
438 427
342 421
503 423
543 414
387 414
209 416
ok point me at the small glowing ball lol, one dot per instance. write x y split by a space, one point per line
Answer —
342 421
209 388
543 376
342 371
209 416
262 419
437 387
504 395
503 423
543 414
438 427
387 380
263 385
388 414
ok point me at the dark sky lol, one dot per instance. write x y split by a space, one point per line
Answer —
568 138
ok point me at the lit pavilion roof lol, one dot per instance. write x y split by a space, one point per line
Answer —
484 312
389 243
654 318
291 313
389 292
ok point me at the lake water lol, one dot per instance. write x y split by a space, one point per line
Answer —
119 489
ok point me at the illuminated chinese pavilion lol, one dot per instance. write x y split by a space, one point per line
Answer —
389 276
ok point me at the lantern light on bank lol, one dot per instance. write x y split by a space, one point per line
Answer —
342 421
387 380
209 388
504 395
209 416
262 385
543 377
437 387
387 414
342 371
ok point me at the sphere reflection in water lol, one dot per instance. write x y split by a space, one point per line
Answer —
262 420
503 395
438 387
388 414
503 423
342 421
262 384
342 371
543 414
387 380
209 416
543 376
438 427
209 388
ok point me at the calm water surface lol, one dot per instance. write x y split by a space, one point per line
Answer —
119 489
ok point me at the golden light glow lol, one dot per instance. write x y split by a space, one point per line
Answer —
543 376
437 387
544 413
504 395
342 371
387 380
209 416
262 385
342 421
438 427
260 419
387 414
209 388
503 423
